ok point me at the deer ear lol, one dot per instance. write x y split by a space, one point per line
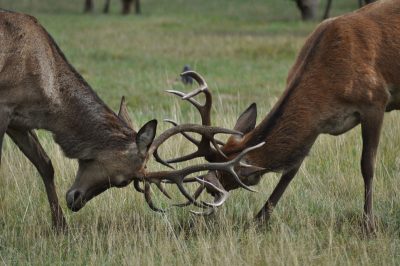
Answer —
145 136
123 113
247 120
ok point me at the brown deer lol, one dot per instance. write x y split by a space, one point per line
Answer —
39 89
126 6
347 73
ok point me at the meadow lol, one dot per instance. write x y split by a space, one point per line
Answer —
244 49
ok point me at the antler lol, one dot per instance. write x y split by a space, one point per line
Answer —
178 177
204 148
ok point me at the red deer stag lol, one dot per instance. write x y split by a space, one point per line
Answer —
347 73
39 89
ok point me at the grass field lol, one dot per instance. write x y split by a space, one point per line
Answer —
244 49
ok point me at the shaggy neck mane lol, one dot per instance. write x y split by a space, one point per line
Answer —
83 124
287 130
92 127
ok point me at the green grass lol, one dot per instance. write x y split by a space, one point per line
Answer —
244 49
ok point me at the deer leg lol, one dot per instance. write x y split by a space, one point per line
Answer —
265 213
4 120
29 144
370 128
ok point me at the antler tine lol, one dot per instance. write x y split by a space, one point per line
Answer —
147 196
196 194
190 138
229 166
200 189
223 192
136 185
203 146
182 95
178 176
183 158
205 109
206 131
207 212
219 199
198 153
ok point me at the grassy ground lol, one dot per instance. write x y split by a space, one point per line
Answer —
244 49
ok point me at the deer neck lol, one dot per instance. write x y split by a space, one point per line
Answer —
81 122
289 131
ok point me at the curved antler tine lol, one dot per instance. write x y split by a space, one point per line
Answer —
216 146
182 158
206 131
147 196
190 95
196 194
231 164
185 157
136 185
187 180
190 138
183 95
176 160
185 193
245 151
161 161
202 181
196 76
161 187
207 212
241 184
218 201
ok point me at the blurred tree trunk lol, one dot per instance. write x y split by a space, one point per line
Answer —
308 8
329 4
126 6
106 8
137 7
88 6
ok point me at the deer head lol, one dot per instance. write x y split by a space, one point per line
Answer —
112 167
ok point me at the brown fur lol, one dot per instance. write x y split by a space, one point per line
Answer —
348 72
40 89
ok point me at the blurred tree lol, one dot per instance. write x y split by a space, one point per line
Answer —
329 4
308 8
126 6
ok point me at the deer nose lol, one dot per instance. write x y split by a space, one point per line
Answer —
74 200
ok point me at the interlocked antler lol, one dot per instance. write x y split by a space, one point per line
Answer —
204 148
178 177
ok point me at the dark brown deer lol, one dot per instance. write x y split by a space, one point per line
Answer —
126 6
347 73
40 89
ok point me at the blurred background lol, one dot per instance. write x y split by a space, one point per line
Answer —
242 47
